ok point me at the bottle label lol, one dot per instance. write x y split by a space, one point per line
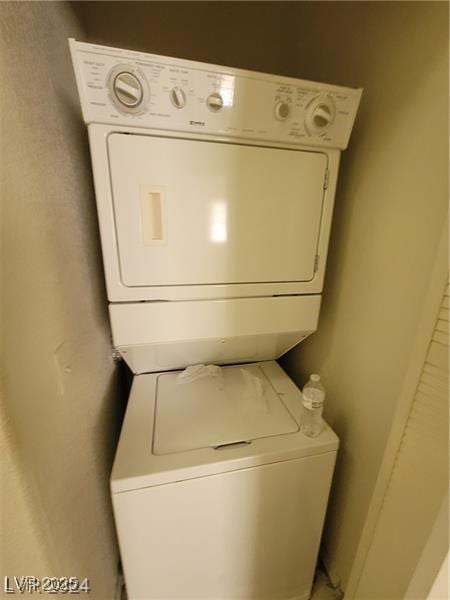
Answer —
312 398
312 404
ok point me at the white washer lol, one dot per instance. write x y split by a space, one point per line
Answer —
215 191
216 493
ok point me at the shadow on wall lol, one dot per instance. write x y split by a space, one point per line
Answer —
391 204
62 391
248 35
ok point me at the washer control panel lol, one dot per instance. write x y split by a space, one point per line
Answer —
146 90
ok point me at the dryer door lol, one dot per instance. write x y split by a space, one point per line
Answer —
191 212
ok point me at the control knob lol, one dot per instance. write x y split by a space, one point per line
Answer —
178 97
320 115
282 110
128 89
214 102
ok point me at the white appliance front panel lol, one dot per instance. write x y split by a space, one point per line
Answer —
195 97
161 336
247 534
193 212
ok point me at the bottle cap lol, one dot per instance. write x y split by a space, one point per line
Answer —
315 377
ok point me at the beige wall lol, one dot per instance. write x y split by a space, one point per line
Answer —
391 206
249 35
61 406
391 201
22 548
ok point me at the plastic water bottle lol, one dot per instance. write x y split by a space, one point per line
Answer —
313 399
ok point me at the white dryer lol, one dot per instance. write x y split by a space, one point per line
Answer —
215 190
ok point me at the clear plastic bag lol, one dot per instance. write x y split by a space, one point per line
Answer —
255 391
196 372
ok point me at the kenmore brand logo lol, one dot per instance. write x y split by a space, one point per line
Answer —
202 123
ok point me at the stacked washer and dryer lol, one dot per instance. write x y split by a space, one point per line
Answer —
215 190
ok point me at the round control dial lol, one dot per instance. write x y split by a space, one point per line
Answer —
320 115
128 89
214 102
282 110
178 97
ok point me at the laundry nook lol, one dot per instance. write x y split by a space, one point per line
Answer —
225 299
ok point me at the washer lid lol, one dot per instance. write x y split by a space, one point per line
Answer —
137 466
218 408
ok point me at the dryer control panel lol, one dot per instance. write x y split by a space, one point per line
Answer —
136 89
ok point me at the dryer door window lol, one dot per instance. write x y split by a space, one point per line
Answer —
191 212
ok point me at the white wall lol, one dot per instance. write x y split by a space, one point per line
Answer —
59 382
391 204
